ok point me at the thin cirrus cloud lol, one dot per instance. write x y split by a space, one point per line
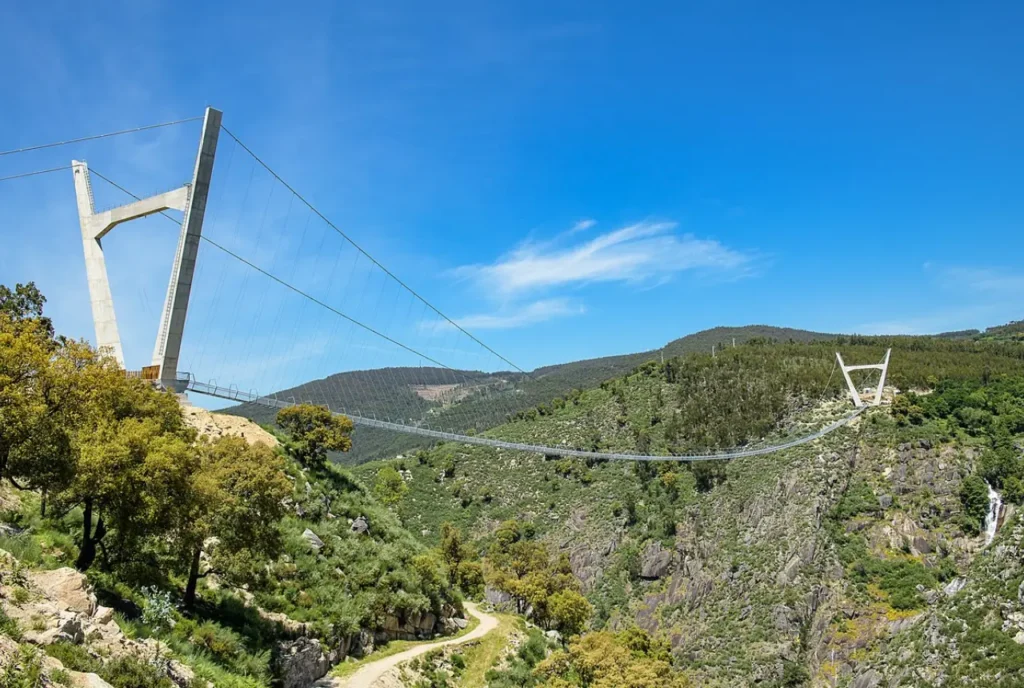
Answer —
510 317
984 279
524 284
529 314
638 253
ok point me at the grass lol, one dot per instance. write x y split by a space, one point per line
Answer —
349 667
488 651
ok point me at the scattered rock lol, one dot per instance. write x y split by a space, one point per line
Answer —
80 680
655 561
299 663
360 526
956 585
789 573
869 679
68 588
103 615
315 543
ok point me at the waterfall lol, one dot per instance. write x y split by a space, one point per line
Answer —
995 505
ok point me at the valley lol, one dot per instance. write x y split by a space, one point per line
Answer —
150 543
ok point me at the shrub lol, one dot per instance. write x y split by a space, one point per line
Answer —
74 657
132 672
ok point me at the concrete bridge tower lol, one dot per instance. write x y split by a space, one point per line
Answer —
191 200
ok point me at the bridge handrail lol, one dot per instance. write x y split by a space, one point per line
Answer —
233 394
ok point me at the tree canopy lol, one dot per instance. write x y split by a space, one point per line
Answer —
313 432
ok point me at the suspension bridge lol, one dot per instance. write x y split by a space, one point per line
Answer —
267 293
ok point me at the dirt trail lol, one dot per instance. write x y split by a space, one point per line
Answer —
367 676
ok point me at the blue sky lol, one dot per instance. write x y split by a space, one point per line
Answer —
566 180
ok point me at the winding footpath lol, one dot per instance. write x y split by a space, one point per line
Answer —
368 675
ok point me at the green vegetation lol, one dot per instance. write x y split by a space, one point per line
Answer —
157 510
974 497
525 570
605 660
312 432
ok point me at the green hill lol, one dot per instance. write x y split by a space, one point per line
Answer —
809 566
376 393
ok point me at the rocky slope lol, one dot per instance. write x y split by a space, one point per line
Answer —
823 565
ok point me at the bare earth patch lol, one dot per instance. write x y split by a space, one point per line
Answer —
215 425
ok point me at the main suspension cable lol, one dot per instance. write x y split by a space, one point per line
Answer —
32 174
363 251
288 286
82 139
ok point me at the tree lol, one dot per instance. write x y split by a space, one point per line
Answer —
236 496
133 460
453 551
974 498
314 431
390 487
524 569
606 660
25 302
569 611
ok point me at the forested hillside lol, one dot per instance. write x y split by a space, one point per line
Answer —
820 565
378 393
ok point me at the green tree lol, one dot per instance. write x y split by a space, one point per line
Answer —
133 461
453 551
236 498
569 611
314 431
389 487
525 570
24 302
604 660
974 498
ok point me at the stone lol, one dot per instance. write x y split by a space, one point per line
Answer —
428 622
869 679
496 598
68 588
460 623
655 561
554 636
885 501
360 526
298 663
181 674
922 546
80 680
789 573
956 585
315 543
103 615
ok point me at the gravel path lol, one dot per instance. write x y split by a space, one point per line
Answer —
368 675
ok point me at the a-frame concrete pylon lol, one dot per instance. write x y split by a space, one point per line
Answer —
883 367
190 199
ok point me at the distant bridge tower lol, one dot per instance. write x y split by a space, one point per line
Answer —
883 367
191 200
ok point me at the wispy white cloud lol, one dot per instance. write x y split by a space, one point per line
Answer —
582 226
511 316
641 252
983 279
529 314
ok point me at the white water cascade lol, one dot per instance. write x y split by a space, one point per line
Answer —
995 505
